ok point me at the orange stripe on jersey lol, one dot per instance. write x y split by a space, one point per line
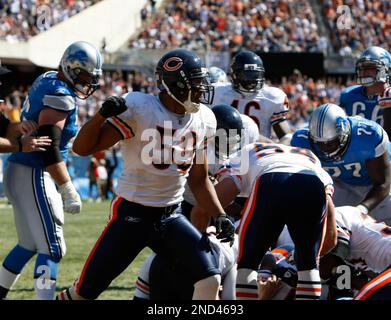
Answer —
142 286
248 213
113 216
246 295
309 289
280 115
284 252
126 131
373 285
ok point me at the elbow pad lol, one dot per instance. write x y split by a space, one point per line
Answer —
52 154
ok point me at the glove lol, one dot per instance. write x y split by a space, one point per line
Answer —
113 106
70 198
225 229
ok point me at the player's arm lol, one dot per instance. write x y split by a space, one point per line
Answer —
330 239
379 172
226 191
283 132
97 134
16 137
207 199
51 122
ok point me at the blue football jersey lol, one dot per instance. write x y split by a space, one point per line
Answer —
48 91
368 141
355 102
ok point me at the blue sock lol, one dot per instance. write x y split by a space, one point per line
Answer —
17 259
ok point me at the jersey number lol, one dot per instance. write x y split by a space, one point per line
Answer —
182 149
359 107
247 109
336 171
265 150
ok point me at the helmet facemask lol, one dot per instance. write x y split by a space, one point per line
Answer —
84 83
248 80
382 72
332 149
191 91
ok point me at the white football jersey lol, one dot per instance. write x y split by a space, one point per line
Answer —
250 135
257 159
369 241
266 107
158 147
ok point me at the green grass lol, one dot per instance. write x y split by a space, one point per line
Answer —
81 231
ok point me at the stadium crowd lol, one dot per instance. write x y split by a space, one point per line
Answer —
268 26
19 19
304 93
363 24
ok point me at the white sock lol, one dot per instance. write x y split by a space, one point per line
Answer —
309 286
7 278
246 284
45 289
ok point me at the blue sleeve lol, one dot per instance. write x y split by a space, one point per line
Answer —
300 139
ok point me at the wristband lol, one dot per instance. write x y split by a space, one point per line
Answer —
363 209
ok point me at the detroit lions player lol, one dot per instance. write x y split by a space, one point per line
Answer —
354 151
163 139
38 207
217 75
373 71
267 106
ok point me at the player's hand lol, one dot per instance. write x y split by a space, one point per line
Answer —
70 198
113 106
31 144
28 127
225 229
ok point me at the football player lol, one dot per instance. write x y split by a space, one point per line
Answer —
369 97
31 178
163 141
233 131
365 246
354 151
247 92
158 280
279 180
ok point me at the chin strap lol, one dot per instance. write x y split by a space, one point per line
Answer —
192 108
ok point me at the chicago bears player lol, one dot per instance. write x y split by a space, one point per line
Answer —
365 246
354 151
367 99
233 131
38 207
264 172
158 280
267 106
17 137
163 140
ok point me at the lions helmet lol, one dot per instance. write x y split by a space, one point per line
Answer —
81 64
247 72
374 58
329 131
182 74
228 130
217 75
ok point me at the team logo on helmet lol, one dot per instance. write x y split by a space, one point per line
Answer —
173 64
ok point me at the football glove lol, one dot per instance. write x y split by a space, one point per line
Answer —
225 229
70 198
113 106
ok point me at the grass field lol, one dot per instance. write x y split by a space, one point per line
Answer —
81 231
